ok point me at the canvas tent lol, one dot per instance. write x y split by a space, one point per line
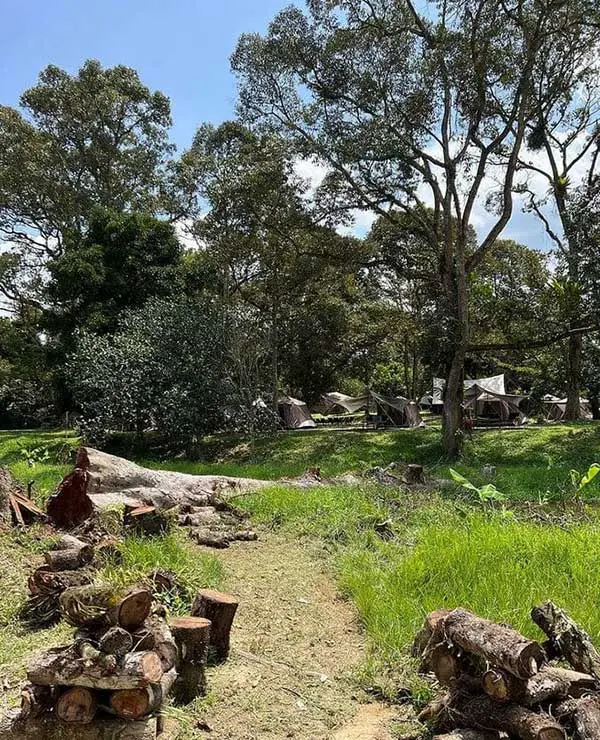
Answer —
555 408
295 414
486 398
388 410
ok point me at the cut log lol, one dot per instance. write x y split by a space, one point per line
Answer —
101 480
90 654
550 683
432 621
500 645
568 639
155 635
220 609
64 559
43 580
209 538
445 664
92 606
68 542
481 712
191 636
206 516
63 666
116 641
47 727
587 719
76 705
147 520
35 700
466 734
413 474
136 703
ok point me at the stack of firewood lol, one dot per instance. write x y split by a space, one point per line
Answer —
111 681
497 681
215 526
68 564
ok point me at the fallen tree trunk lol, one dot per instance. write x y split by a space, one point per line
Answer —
550 683
500 645
76 705
47 727
65 667
136 703
567 638
191 636
101 480
219 608
93 606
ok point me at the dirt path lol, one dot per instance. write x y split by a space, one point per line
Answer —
295 648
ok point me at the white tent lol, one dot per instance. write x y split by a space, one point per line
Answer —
487 398
556 407
396 410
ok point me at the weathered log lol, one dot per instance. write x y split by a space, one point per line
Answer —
44 580
91 606
76 705
210 538
191 636
432 620
101 480
63 666
550 683
445 664
135 703
220 609
90 654
200 516
116 641
35 700
466 734
500 645
155 635
47 727
69 542
568 639
481 712
147 520
64 559
586 719
413 474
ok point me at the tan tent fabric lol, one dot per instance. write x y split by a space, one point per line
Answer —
340 402
295 413
556 407
397 410
486 397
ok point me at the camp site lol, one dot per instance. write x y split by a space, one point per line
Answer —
300 370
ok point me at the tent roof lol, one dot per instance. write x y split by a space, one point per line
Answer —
349 403
289 401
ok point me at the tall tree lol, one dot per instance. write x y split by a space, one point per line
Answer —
96 138
562 164
406 108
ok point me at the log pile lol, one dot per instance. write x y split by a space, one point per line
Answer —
111 682
68 564
495 681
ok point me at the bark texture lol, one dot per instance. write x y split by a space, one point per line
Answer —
220 609
136 703
551 683
191 635
587 719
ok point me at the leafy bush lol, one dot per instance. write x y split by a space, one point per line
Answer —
167 368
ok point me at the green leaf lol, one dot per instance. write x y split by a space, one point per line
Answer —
461 480
592 472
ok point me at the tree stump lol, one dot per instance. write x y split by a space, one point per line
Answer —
220 609
587 719
413 475
191 636
147 520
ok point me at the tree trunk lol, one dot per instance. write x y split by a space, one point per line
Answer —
501 646
220 609
191 636
567 638
64 667
587 719
574 376
136 703
47 727
551 683
93 606
452 409
148 520
155 635
76 705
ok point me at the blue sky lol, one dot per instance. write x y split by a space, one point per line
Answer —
181 47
